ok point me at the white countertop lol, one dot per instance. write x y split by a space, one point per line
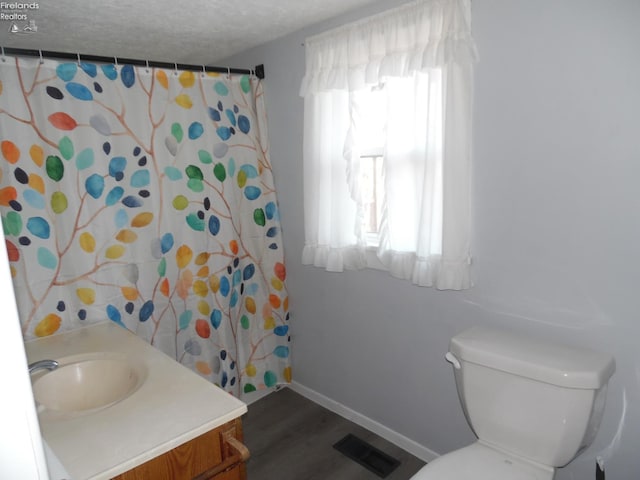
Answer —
172 406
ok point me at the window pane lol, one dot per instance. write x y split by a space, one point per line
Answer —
372 191
370 110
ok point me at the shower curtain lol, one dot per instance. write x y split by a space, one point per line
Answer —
146 196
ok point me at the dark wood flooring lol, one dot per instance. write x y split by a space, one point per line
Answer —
291 438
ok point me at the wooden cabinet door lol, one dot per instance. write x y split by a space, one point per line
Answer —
236 473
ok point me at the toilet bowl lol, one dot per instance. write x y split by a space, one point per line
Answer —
533 405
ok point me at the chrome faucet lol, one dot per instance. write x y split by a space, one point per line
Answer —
42 364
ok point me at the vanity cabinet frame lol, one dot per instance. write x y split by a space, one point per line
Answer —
216 455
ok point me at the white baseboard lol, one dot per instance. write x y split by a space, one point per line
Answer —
414 448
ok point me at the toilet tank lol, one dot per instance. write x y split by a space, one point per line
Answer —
536 399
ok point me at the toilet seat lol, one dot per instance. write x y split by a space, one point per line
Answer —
479 462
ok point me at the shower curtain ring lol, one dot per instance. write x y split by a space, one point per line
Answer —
115 59
176 69
147 66
41 59
229 73
78 59
204 71
3 59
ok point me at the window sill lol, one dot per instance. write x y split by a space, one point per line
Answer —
372 259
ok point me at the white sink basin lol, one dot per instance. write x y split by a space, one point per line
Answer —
85 383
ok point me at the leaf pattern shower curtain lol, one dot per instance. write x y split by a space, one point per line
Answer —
145 196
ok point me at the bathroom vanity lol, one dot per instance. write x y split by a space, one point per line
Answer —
136 413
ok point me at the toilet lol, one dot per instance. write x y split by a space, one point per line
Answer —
533 405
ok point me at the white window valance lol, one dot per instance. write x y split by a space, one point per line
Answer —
413 37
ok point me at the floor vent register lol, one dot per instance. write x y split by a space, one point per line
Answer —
367 455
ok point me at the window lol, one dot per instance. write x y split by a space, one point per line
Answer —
372 192
371 127
387 144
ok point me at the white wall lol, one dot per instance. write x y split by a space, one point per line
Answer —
556 226
21 452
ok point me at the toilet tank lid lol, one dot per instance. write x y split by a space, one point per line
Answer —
528 357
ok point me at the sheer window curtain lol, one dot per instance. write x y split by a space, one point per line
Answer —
420 56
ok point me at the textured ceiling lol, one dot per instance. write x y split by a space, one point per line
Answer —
194 31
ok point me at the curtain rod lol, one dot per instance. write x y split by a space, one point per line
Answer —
258 70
